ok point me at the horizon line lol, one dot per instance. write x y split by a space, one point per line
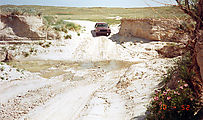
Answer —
88 6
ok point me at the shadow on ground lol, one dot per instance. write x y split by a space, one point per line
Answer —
94 34
121 39
141 117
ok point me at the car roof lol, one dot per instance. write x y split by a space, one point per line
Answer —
101 23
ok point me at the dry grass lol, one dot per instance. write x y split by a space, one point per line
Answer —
101 13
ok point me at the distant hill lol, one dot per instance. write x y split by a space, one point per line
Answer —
104 14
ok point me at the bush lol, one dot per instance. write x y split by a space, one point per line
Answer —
26 54
178 103
68 37
57 28
40 43
64 30
2 78
60 25
2 69
49 20
46 45
31 50
12 47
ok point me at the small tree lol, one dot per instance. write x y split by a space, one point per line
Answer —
193 8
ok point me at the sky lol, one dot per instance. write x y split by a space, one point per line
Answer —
88 3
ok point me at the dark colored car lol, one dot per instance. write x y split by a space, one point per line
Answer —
102 29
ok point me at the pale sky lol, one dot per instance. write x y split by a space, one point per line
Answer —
88 3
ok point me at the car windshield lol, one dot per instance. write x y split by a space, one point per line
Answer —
101 25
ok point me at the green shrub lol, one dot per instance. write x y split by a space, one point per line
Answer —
4 48
2 68
12 47
18 70
49 20
31 50
2 78
57 28
46 45
40 43
183 68
72 26
68 37
176 104
26 54
64 30
60 25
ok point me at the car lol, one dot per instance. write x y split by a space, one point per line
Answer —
102 29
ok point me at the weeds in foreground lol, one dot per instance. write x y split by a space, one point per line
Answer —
178 103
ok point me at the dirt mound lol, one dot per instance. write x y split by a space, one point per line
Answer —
171 51
21 26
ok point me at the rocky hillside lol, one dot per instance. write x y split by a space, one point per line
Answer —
153 29
21 26
15 27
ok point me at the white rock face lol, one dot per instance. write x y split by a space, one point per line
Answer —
151 29
21 26
2 25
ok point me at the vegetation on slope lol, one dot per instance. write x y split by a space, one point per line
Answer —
103 14
20 11
176 100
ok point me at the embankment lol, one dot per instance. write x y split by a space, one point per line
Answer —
21 26
151 29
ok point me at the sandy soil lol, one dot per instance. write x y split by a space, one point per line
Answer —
106 79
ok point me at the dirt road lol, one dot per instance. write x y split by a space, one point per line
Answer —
87 78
